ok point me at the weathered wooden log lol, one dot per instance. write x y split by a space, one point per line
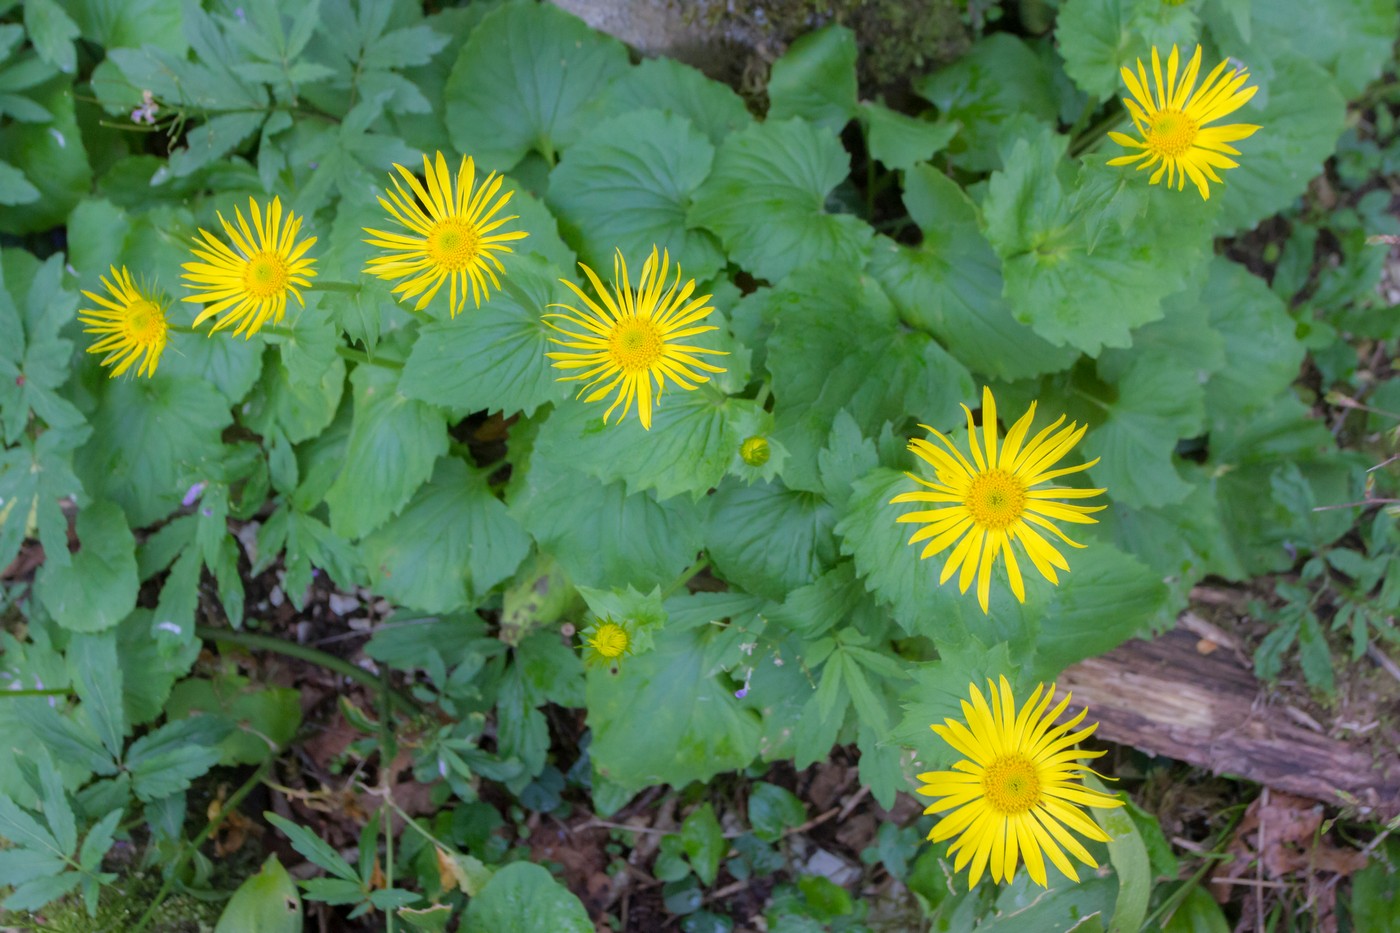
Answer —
1169 697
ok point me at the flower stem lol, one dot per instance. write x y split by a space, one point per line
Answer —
1090 139
193 845
36 693
302 652
680 582
358 356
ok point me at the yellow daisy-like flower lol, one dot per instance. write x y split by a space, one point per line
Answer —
452 236
130 325
631 338
249 282
1172 124
1014 796
986 505
606 641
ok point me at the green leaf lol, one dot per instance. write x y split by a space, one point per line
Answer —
704 842
14 187
213 140
1000 77
1268 471
148 435
1314 655
815 80
847 350
667 85
568 512
97 677
1106 598
827 899
936 692
1199 913
52 156
1375 901
433 919
627 186
693 438
99 841
666 717
298 409
313 848
394 442
496 361
1054 250
1351 39
266 903
34 476
57 813
522 82
766 196
524 898
1096 38
891 568
1302 114
258 721
1078 906
449 547
773 810
133 23
1157 398
1128 853
769 540
151 658
1262 353
34 366
97 588
951 284
166 761
901 141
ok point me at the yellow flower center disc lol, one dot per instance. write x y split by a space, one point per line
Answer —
1011 785
1171 134
453 245
635 344
144 324
265 275
996 499
610 640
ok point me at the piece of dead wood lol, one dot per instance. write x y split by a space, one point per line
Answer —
1170 697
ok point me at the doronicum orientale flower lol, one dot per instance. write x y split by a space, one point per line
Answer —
1172 123
453 234
631 339
248 283
605 642
130 325
991 502
1014 794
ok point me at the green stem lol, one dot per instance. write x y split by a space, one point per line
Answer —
193 845
685 578
762 398
37 693
359 356
1096 134
320 658
182 329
